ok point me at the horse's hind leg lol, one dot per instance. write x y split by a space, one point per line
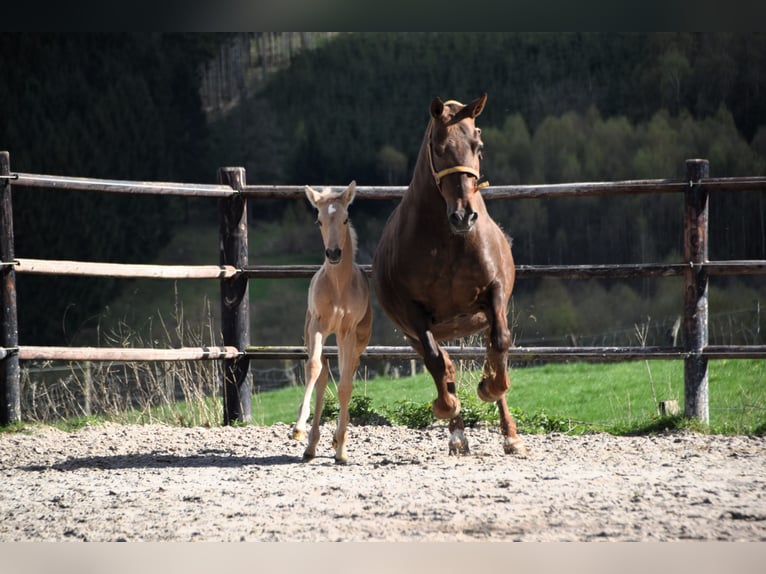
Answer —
512 444
458 444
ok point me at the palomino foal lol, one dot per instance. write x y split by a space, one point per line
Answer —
338 302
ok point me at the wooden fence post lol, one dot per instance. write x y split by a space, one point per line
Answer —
10 373
696 291
235 302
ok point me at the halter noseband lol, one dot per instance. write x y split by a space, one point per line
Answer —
438 175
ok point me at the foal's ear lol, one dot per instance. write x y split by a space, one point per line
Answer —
312 195
350 193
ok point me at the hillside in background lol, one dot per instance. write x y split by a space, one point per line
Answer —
326 108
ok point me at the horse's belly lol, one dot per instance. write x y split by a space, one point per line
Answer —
459 325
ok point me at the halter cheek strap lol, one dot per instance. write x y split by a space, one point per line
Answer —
439 175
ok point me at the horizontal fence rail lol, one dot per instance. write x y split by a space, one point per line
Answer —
752 267
493 192
135 271
234 272
116 186
32 353
91 269
523 354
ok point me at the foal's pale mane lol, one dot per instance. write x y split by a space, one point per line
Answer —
352 234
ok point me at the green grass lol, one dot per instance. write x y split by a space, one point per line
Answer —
579 397
575 397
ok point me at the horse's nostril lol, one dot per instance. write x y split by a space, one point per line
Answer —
463 221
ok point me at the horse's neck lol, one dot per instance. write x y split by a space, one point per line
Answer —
422 189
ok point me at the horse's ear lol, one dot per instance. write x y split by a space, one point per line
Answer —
350 193
437 108
477 106
312 195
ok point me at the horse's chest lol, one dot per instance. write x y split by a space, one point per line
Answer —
448 283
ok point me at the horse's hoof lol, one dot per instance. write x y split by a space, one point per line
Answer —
308 456
446 411
341 460
483 392
458 444
298 434
515 447
460 449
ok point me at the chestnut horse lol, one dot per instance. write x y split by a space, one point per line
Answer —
338 302
443 269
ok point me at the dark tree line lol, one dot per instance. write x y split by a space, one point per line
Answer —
119 106
562 107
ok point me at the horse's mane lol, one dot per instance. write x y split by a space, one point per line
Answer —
352 234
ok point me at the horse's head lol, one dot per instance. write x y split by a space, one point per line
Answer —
332 219
454 155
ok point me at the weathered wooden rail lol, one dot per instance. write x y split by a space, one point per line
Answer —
234 272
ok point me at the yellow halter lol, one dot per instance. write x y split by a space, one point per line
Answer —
438 175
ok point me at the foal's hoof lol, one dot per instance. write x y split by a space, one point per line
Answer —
298 434
341 460
309 456
515 447
485 394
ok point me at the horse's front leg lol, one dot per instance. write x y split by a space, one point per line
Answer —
311 448
495 381
313 371
439 365
317 372
447 403
348 362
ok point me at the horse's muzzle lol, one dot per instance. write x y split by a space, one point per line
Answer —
462 221
333 255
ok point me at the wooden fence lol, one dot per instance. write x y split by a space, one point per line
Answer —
234 273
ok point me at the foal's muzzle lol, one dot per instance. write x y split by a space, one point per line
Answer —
333 255
461 221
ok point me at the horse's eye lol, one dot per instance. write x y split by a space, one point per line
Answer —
346 221
318 223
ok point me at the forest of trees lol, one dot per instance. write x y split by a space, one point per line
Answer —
562 107
119 106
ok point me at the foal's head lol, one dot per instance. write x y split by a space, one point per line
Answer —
332 218
455 151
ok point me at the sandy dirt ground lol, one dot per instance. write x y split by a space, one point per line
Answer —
158 483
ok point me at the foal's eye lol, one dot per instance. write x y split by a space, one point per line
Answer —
346 221
318 223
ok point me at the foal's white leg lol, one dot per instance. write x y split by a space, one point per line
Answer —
313 370
348 363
